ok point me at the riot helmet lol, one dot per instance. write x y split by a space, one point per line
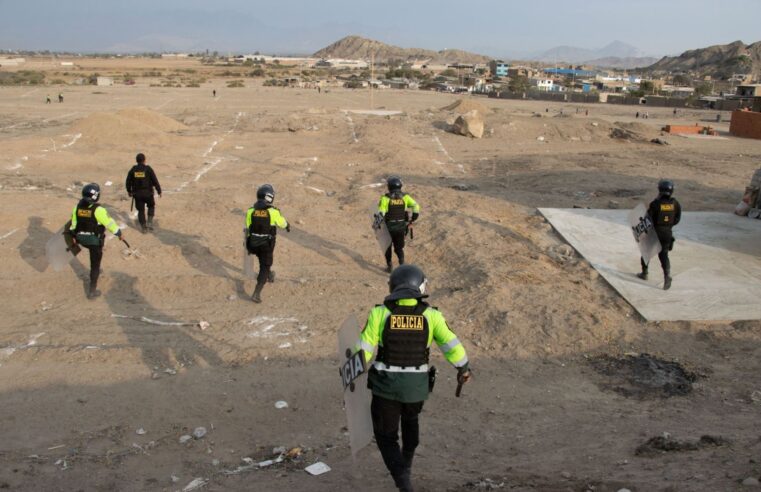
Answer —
91 192
666 188
394 184
266 192
407 281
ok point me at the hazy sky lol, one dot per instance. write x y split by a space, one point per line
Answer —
492 27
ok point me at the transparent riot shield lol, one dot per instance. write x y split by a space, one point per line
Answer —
381 232
60 250
644 233
248 260
353 372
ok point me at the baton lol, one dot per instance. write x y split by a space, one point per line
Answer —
132 205
458 390
125 242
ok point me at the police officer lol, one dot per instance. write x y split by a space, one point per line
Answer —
262 221
403 328
89 222
141 180
665 212
394 206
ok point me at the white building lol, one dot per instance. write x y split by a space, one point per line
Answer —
105 81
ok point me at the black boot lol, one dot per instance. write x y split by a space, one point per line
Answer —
150 223
93 292
666 281
271 276
143 228
642 275
257 295
403 481
389 267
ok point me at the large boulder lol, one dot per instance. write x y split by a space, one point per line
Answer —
470 124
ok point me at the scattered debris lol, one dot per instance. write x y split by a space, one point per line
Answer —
665 444
195 484
203 325
169 371
153 321
755 396
463 187
185 438
175 478
140 432
486 483
643 376
281 404
317 468
659 141
108 183
540 138
199 432
278 450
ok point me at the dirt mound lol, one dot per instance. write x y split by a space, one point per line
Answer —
644 376
463 106
667 444
126 125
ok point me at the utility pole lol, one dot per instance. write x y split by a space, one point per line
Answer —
372 77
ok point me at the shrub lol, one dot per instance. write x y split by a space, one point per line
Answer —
235 83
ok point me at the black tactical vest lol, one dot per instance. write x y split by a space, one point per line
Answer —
396 217
260 222
666 213
141 178
86 221
405 337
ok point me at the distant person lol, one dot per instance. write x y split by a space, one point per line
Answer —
214 93
60 97
674 111
141 181
47 99
665 212
394 206
262 221
718 118
586 112
89 222
637 115
403 329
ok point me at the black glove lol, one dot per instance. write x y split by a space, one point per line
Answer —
414 216
288 227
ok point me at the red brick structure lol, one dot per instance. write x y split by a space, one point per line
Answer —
689 130
745 124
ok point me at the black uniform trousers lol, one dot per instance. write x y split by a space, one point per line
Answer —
666 239
397 242
386 415
96 255
141 201
265 254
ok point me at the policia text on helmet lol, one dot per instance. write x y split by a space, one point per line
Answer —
402 330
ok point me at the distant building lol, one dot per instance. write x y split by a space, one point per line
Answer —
750 90
498 68
569 72
105 81
545 85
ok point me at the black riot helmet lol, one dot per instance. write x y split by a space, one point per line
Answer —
266 192
91 193
407 282
394 183
666 188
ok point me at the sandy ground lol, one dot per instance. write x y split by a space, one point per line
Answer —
77 383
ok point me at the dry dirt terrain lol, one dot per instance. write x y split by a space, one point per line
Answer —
96 397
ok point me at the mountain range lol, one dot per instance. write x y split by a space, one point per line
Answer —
719 61
357 47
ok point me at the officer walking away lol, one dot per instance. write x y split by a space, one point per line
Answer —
141 180
394 206
403 328
89 222
665 212
262 221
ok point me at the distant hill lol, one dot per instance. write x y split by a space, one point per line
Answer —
572 54
719 61
622 63
359 48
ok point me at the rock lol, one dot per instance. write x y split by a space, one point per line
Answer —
463 187
659 141
231 297
750 482
185 438
171 372
199 432
140 432
215 462
280 404
195 484
470 124
594 123
540 138
565 474
203 325
613 204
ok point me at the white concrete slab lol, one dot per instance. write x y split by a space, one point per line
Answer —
715 264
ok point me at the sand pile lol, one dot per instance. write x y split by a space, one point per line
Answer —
462 106
126 125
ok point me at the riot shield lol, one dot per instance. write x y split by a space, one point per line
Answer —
644 232
381 232
248 260
353 370
60 249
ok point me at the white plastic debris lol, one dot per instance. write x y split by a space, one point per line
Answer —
317 468
140 432
185 438
108 183
280 404
195 484
203 325
199 432
175 478
278 450
266 463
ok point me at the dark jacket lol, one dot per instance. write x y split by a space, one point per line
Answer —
141 180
